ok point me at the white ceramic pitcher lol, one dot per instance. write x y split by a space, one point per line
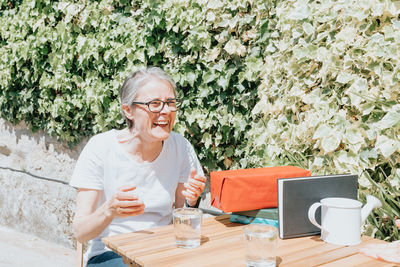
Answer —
342 218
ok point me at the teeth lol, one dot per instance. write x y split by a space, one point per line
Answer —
161 123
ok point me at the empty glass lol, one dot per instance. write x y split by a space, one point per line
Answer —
260 241
187 227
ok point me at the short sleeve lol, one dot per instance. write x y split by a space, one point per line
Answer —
89 168
189 161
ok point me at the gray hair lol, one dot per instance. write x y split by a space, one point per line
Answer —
138 79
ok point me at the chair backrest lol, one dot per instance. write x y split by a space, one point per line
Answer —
79 254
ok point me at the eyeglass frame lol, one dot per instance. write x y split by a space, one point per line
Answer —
164 102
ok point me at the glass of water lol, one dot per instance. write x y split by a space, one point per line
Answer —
261 242
187 227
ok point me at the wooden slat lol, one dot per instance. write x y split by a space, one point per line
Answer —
369 263
128 241
288 249
228 241
358 260
161 242
222 245
323 254
303 256
213 244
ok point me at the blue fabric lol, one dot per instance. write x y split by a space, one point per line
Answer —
106 259
252 220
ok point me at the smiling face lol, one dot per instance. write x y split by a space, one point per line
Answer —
152 127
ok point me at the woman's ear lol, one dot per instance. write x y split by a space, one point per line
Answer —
127 111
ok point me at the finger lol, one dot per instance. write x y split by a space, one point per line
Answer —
123 204
189 195
126 213
126 188
192 188
196 184
126 196
193 172
116 205
131 209
200 178
194 193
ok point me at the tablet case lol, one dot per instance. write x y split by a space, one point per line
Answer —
296 195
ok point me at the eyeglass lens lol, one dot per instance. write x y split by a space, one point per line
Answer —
158 105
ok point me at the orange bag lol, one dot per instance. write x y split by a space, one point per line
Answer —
249 189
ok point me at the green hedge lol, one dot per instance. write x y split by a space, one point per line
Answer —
330 97
63 63
307 83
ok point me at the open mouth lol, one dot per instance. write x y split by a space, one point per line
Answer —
160 123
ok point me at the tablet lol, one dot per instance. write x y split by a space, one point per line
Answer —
296 195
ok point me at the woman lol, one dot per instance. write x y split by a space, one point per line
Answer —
129 180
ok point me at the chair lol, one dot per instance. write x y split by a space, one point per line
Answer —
79 254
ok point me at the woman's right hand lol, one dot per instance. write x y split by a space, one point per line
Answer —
91 220
124 203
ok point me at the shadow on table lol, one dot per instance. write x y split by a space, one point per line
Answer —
317 238
224 219
204 239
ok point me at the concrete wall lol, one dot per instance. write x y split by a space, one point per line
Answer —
27 204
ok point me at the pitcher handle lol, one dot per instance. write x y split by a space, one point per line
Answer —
311 214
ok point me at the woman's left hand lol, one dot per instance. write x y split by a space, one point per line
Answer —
194 187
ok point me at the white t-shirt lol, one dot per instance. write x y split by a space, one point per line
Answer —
104 165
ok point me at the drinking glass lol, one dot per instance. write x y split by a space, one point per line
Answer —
187 227
260 241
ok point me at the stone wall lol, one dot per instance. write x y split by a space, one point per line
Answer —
30 204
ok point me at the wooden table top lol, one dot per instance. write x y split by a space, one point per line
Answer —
222 245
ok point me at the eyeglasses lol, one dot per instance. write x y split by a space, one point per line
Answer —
156 105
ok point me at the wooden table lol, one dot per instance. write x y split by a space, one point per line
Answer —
222 245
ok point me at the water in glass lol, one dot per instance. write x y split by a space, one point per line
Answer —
187 227
260 243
